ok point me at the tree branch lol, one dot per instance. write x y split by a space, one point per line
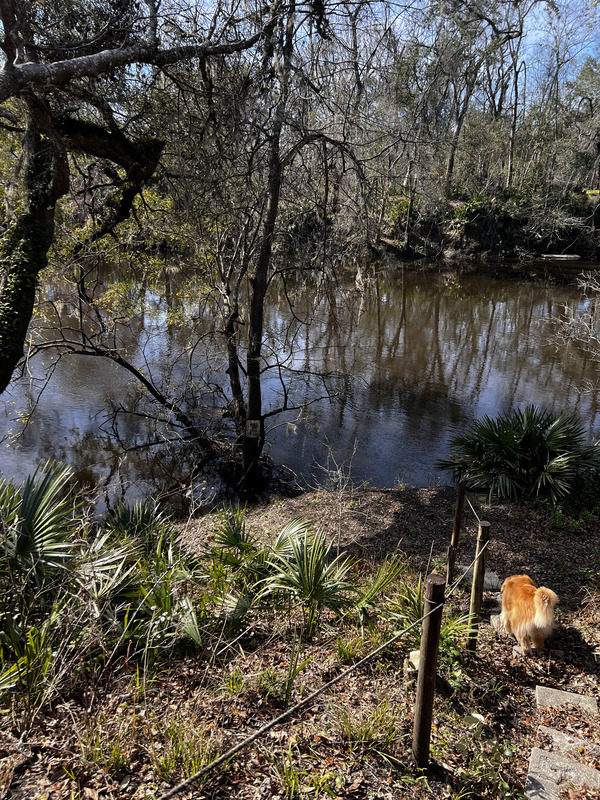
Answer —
14 78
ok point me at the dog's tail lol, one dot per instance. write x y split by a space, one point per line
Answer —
544 601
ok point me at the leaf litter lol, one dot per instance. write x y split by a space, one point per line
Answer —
129 739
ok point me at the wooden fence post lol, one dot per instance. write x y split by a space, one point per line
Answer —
483 537
458 513
430 640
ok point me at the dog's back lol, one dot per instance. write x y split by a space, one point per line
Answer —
518 598
527 612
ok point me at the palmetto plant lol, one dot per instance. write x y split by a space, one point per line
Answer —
408 608
75 595
387 574
529 453
106 574
142 522
302 567
149 598
237 564
37 524
230 530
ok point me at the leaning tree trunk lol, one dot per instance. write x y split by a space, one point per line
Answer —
43 178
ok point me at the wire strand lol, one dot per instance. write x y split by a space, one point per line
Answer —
472 509
308 700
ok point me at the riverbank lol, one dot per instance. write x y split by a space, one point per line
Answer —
123 735
511 226
555 548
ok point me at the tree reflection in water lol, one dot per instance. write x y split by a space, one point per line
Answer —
410 358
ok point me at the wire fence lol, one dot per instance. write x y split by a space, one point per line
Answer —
307 701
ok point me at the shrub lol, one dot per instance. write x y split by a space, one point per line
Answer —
528 453
37 527
76 596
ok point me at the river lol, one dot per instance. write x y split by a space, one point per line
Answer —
412 357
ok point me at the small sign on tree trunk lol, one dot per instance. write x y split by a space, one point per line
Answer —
253 428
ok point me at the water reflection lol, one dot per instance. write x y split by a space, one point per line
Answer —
430 354
410 358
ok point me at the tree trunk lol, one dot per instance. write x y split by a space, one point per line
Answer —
513 128
254 435
43 172
238 405
458 126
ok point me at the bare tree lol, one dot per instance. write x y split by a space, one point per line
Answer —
579 325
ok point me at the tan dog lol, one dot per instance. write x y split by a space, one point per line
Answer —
527 612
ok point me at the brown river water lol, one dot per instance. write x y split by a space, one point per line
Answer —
412 358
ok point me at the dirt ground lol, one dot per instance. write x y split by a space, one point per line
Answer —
119 743
555 550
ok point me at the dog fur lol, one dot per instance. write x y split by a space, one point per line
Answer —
527 612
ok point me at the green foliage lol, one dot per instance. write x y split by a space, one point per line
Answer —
485 763
109 750
295 667
302 568
583 502
141 522
185 750
234 681
349 649
268 682
578 204
370 732
238 548
329 784
237 564
294 529
453 636
397 208
387 574
31 670
38 557
107 574
407 608
23 256
37 526
290 776
230 531
299 566
479 214
128 595
528 453
471 210
561 521
73 599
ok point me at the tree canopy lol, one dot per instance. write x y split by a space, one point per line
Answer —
254 140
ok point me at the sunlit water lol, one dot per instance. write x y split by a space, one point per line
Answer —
412 359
